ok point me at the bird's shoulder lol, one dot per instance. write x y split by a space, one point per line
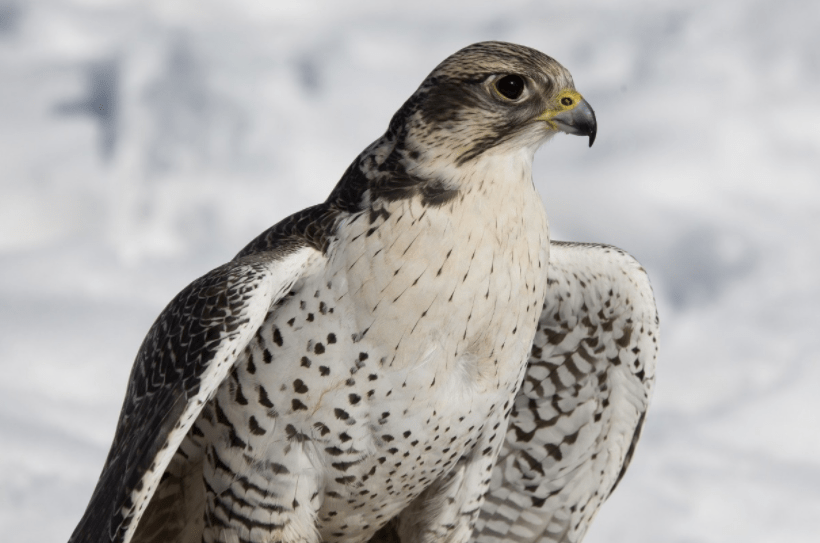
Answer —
187 353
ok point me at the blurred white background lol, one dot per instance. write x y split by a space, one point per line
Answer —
144 142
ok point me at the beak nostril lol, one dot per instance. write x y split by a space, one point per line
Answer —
579 119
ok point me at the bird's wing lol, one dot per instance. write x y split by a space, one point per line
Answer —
188 351
579 413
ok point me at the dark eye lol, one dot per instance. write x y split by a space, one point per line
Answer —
510 86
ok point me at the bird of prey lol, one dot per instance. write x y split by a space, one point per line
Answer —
354 373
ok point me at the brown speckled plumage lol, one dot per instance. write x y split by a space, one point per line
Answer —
350 375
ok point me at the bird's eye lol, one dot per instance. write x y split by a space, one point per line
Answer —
510 86
566 100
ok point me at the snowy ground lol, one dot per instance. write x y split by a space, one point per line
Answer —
144 142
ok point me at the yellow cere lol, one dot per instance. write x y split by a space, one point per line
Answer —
566 100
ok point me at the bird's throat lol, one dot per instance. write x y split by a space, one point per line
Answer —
413 266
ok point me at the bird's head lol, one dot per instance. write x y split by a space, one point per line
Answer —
492 95
490 98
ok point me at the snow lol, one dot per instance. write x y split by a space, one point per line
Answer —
213 113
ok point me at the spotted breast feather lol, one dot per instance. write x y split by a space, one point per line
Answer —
357 364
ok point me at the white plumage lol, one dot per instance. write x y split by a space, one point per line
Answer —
579 413
350 375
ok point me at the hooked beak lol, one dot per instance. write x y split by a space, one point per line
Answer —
578 121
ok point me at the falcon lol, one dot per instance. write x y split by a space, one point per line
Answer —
355 373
